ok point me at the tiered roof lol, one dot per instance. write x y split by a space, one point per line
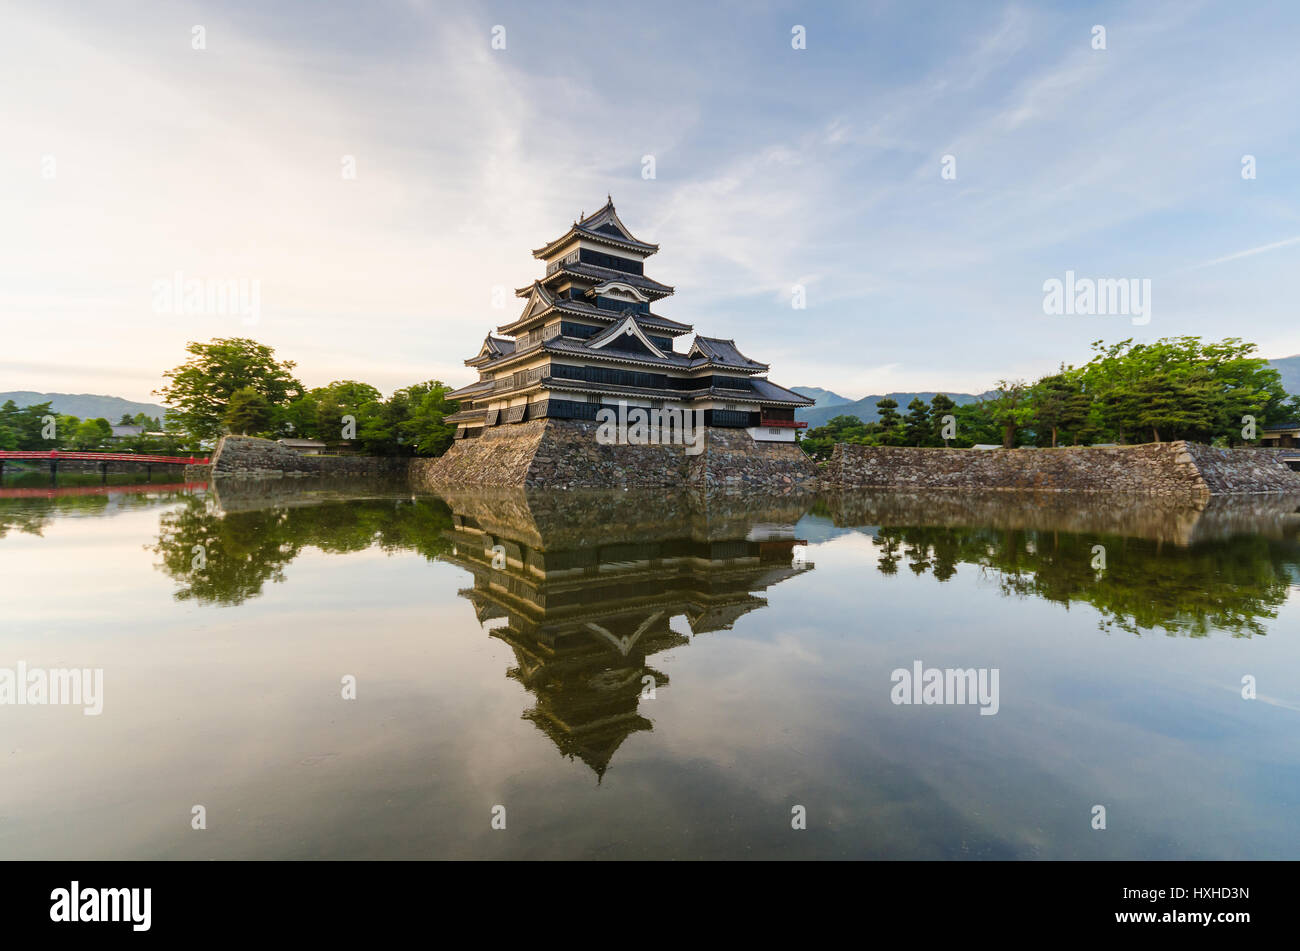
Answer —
592 272
603 227
628 337
542 303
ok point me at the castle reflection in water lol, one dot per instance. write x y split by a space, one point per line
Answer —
588 588
584 609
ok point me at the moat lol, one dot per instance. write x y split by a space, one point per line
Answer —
644 674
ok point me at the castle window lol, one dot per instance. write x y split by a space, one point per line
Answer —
613 262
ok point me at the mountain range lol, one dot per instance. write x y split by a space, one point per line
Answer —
85 405
832 404
1289 369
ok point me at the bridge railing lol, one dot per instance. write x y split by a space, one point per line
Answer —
58 454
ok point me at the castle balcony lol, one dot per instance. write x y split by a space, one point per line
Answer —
781 423
519 378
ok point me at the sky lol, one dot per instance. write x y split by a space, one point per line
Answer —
378 173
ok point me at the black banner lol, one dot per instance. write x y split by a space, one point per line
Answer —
331 899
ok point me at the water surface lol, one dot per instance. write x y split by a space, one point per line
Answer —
643 674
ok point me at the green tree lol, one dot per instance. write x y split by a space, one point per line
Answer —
248 412
940 406
916 424
891 424
820 442
424 428
201 388
1180 388
65 430
92 434
300 418
1010 409
1059 402
24 426
343 398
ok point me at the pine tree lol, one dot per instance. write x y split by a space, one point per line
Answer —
917 422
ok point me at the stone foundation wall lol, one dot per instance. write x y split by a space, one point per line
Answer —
549 453
1231 471
497 459
569 457
247 457
1172 469
733 460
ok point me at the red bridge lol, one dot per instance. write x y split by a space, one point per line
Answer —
55 456
58 454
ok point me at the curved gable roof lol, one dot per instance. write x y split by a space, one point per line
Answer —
627 330
723 353
604 226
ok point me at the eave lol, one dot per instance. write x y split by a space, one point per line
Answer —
473 389
576 232
663 325
647 285
683 396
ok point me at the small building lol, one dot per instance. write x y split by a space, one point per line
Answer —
126 432
308 447
1281 435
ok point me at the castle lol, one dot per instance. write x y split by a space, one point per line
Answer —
588 346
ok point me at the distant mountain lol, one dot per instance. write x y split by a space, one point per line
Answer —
865 408
1289 368
85 405
823 397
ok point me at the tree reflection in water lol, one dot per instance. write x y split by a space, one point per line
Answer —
1182 568
224 548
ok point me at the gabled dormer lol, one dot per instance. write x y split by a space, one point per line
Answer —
627 336
493 349
539 301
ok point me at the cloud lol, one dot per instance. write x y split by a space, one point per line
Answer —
1249 252
774 167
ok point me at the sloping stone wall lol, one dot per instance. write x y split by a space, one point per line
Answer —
248 457
1174 469
497 459
565 454
1230 471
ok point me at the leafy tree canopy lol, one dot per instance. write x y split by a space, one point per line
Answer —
201 388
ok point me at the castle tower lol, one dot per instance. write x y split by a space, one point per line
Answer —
590 337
